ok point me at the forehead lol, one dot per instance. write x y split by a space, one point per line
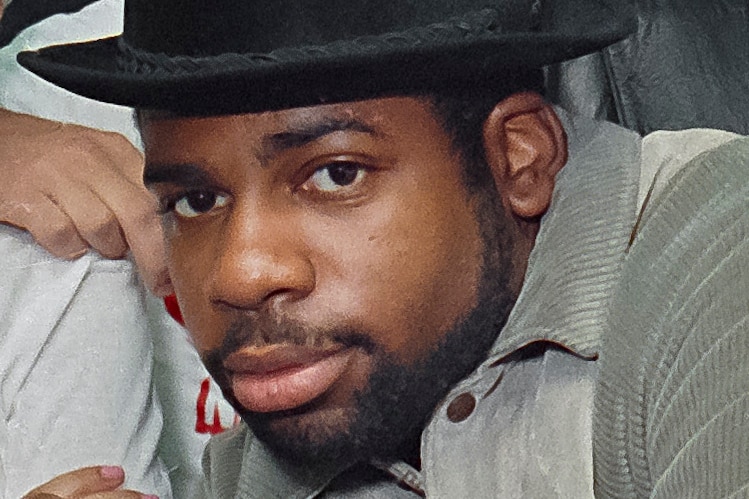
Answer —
376 115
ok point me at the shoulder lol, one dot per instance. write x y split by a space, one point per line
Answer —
665 152
672 394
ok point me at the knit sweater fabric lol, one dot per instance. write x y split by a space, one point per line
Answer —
671 413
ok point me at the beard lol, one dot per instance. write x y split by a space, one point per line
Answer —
390 412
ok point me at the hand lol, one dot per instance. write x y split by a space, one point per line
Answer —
75 188
97 482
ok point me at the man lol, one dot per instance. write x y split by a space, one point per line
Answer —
392 254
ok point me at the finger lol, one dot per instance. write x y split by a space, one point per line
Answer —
120 185
137 213
50 226
120 494
82 482
141 225
94 220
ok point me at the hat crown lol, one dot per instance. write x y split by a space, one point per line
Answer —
204 28
233 56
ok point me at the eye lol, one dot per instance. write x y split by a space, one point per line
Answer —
196 203
336 176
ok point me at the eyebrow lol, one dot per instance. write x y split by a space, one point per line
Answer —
187 174
191 175
303 135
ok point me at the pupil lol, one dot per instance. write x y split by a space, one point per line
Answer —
201 201
343 174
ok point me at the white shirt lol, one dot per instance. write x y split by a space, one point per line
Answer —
81 343
75 370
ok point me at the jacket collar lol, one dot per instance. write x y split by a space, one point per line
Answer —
579 249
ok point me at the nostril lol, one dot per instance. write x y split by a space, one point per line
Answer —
265 284
277 301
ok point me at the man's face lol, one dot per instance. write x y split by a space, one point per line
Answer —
334 272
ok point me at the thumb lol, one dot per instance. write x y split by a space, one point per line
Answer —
80 482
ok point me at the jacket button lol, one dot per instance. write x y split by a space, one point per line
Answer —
461 407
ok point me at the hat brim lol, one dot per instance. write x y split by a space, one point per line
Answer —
224 85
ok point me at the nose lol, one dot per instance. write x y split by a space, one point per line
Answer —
261 261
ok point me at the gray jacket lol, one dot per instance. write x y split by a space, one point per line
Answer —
522 424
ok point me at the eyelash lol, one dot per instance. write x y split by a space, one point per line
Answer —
166 205
361 171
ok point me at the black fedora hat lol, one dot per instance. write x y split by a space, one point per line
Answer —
230 56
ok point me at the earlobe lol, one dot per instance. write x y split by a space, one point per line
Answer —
525 147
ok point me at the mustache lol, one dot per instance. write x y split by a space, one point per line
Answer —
266 330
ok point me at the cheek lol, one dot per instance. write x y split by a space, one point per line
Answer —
408 271
190 268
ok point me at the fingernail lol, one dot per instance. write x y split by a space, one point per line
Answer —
77 254
112 472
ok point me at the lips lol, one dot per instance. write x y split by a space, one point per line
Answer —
283 377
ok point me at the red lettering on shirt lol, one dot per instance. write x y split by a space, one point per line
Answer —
201 424
172 306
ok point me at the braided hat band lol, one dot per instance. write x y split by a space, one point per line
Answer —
475 26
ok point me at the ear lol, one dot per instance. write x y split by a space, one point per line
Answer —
525 146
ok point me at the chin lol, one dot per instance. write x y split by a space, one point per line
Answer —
307 434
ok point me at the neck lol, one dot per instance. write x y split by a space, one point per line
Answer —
523 243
